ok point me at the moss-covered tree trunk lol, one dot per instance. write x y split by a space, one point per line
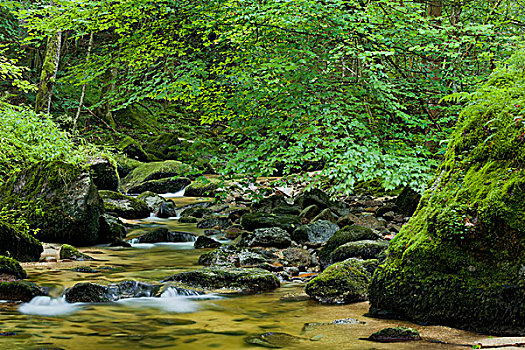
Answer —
460 260
49 74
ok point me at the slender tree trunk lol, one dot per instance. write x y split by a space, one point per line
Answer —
83 94
49 74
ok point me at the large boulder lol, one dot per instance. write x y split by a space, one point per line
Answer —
165 146
261 220
124 206
58 199
316 232
96 293
460 259
104 173
157 177
132 149
111 229
241 279
18 245
69 252
341 283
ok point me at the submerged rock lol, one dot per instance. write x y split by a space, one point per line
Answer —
460 261
72 253
244 280
274 340
341 283
18 245
124 206
58 199
395 334
11 267
97 293
19 291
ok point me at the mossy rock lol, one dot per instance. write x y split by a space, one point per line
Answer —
230 255
11 267
58 199
104 173
266 237
395 334
341 283
160 234
262 220
72 253
20 291
126 165
346 234
244 280
206 242
124 206
18 245
359 249
165 146
166 185
87 293
314 196
155 171
132 149
111 229
202 187
460 259
188 220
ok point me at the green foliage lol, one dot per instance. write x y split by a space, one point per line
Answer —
26 138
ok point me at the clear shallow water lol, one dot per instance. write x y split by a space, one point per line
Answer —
182 322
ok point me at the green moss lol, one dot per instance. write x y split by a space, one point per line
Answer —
70 252
19 291
359 249
155 171
11 267
347 234
126 165
341 283
459 261
134 150
261 220
202 187
124 206
17 244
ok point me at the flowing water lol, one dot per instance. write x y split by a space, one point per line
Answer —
176 321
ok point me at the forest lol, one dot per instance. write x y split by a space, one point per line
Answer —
262 173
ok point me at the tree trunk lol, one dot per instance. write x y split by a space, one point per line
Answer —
83 94
49 74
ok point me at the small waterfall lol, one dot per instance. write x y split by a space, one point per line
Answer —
47 306
173 292
174 195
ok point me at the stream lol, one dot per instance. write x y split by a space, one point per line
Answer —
178 321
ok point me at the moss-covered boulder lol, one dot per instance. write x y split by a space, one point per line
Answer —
460 259
341 283
165 146
202 187
395 334
18 245
11 267
104 173
346 234
359 249
58 199
230 255
243 280
126 165
124 206
72 253
146 177
132 149
20 291
111 229
261 220
87 293
206 242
